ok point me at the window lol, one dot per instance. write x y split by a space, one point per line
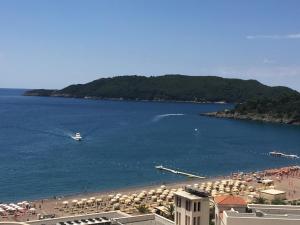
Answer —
195 206
198 220
188 205
176 218
194 221
178 201
199 206
187 220
179 218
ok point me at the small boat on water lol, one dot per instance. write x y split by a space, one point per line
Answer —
77 137
280 154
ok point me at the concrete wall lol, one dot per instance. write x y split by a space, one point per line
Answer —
259 221
13 223
53 221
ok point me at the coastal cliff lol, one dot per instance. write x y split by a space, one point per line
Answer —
285 109
269 118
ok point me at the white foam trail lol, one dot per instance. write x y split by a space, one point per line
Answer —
159 117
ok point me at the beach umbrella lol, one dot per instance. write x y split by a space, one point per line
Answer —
113 200
32 209
116 206
169 198
153 198
137 200
92 198
162 196
122 200
159 201
83 200
127 201
65 202
163 186
158 191
89 201
74 202
141 195
110 196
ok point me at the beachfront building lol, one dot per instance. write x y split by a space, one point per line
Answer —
273 194
227 202
191 207
263 215
105 218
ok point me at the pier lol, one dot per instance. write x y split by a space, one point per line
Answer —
178 172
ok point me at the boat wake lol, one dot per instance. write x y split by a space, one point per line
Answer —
159 117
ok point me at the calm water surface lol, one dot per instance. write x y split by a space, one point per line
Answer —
123 141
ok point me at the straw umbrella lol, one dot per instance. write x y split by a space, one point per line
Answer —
154 198
137 200
74 201
65 203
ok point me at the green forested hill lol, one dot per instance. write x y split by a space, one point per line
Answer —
171 87
255 101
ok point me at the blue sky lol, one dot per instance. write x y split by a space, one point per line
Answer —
51 44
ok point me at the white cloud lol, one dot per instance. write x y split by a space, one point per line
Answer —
268 61
275 36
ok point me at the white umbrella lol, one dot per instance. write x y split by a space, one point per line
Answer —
137 200
64 203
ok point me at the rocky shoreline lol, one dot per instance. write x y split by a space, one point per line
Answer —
251 116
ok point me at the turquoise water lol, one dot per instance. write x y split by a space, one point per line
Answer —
123 141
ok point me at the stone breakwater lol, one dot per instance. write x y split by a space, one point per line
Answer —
252 116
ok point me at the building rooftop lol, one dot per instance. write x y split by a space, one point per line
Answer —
187 195
273 192
261 215
230 200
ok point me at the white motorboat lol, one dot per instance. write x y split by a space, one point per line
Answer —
77 137
280 154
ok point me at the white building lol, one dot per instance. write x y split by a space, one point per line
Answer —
263 215
273 194
227 202
191 207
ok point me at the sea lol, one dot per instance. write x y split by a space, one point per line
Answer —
122 143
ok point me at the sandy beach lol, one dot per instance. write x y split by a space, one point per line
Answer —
286 179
